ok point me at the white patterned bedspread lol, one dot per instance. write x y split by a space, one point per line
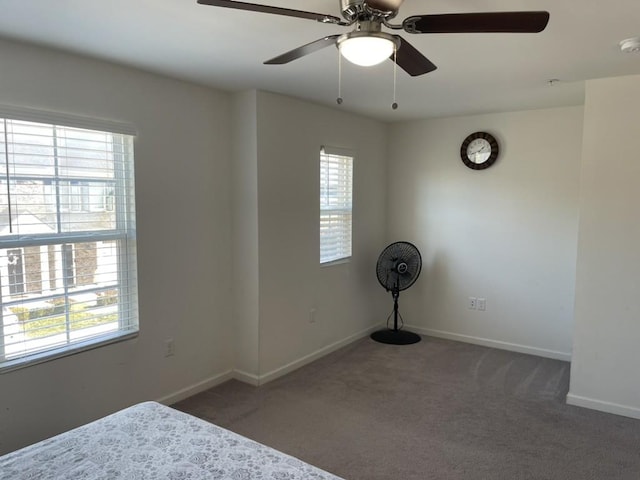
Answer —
151 441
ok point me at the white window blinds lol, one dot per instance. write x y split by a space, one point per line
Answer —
336 194
67 239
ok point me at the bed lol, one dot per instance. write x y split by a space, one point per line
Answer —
150 441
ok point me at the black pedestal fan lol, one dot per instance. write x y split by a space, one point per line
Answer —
398 268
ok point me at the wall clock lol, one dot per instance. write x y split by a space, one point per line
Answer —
479 150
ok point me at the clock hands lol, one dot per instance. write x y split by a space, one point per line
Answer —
484 148
479 155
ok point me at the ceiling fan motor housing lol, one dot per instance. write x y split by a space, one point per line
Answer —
353 10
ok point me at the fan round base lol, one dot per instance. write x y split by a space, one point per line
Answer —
395 337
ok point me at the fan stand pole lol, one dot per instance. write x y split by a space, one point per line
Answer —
395 294
395 336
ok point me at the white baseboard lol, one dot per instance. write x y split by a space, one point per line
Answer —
290 367
196 388
487 342
603 406
257 380
245 377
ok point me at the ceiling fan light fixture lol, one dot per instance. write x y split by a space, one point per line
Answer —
366 48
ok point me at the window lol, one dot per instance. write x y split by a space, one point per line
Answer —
336 192
67 236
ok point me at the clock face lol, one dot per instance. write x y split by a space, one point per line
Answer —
479 150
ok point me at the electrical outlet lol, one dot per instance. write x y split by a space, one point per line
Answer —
473 303
169 347
482 304
312 315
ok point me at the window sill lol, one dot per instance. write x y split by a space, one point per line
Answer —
48 356
340 261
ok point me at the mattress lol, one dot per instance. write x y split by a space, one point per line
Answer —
150 441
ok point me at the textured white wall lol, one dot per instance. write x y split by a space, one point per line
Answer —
507 234
604 371
346 297
182 186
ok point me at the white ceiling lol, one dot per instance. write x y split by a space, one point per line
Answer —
225 48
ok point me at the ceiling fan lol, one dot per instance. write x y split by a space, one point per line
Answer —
368 45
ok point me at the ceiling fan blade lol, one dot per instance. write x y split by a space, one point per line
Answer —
303 50
484 22
320 17
411 60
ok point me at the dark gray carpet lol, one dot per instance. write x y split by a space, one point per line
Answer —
434 410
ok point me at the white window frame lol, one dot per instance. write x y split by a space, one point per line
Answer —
124 233
336 205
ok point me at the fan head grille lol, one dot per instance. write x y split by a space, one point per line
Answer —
399 266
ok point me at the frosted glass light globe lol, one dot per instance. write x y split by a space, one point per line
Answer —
366 51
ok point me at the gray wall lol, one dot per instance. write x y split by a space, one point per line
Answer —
291 281
228 240
604 372
507 234
184 217
245 235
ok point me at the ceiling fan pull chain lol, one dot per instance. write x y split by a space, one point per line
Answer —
394 105
339 99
